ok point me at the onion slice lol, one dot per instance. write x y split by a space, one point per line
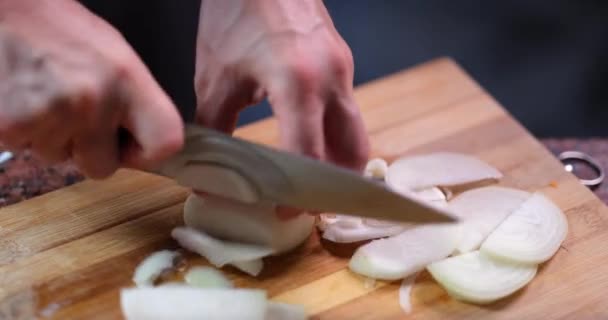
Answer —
152 266
482 210
376 169
346 229
474 277
190 303
407 253
442 169
353 229
532 234
218 252
405 291
206 277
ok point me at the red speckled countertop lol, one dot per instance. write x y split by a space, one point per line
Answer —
25 176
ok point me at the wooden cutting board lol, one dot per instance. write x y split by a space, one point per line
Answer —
66 254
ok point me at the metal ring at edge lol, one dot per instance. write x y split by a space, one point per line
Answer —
581 156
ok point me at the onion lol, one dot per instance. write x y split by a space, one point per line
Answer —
189 303
532 234
246 223
354 230
405 292
443 169
347 229
474 277
482 210
284 311
152 266
218 252
405 254
206 277
376 168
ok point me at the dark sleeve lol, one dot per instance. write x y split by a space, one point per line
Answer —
164 35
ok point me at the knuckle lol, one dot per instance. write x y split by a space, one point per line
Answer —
304 74
121 70
83 100
340 63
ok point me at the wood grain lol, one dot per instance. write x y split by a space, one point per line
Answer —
66 254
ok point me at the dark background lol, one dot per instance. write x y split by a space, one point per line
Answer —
545 61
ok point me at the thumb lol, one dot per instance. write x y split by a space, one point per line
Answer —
154 127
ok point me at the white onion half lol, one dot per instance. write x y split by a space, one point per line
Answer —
474 277
152 266
532 234
190 303
246 223
407 253
218 252
443 169
405 291
482 210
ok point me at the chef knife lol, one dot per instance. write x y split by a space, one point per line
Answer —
288 179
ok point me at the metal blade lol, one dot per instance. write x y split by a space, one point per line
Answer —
323 187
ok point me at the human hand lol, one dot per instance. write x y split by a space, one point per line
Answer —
69 82
290 52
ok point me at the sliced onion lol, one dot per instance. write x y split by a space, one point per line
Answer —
324 220
218 252
474 277
405 291
405 254
482 210
369 283
347 229
376 168
361 232
152 266
284 311
438 169
206 277
190 303
246 223
532 234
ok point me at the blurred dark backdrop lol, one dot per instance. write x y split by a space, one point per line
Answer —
545 61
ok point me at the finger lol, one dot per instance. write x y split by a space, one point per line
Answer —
152 121
51 140
300 124
346 140
52 148
96 153
219 102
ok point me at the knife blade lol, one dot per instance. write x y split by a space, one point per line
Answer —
292 180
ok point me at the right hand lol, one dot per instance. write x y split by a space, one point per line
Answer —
69 82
